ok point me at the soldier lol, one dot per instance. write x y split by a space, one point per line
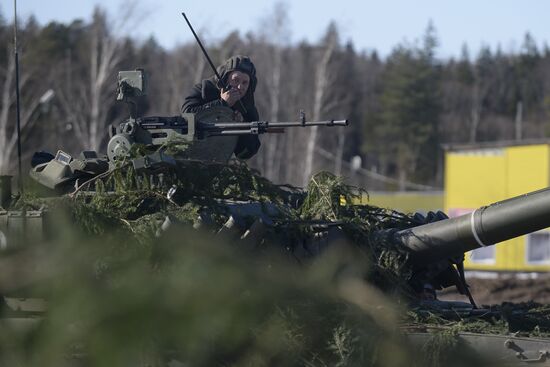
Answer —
239 75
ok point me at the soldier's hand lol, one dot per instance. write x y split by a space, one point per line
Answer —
231 96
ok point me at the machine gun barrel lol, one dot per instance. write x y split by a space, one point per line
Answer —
485 226
229 128
260 127
267 124
194 127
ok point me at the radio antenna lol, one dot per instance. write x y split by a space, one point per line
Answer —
17 99
224 86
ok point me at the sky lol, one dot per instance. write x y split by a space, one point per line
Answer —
369 25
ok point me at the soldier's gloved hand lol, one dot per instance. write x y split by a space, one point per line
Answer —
231 96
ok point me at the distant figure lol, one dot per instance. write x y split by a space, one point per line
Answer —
239 75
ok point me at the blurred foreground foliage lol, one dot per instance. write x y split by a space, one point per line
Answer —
121 292
200 300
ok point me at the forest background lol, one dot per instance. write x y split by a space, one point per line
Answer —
404 109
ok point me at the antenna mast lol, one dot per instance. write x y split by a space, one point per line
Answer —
18 109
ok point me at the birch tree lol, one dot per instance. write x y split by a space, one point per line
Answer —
88 101
183 75
186 66
30 102
323 78
275 37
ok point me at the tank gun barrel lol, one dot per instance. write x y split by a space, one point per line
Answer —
485 226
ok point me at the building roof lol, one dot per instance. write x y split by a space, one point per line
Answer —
493 144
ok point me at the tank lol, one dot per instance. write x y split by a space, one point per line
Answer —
160 184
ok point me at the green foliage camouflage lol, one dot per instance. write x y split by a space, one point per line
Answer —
124 201
197 298
122 291
529 319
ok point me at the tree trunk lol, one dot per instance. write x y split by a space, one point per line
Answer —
519 120
8 134
274 98
321 85
89 107
475 114
339 152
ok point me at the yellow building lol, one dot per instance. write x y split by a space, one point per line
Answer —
483 174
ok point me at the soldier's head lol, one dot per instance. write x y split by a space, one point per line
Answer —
240 73
239 81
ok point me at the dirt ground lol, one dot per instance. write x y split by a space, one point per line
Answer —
504 288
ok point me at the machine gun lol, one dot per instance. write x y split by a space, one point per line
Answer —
210 135
192 128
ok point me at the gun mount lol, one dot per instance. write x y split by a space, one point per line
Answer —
131 87
192 128
209 135
195 128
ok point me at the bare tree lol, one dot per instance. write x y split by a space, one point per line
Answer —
275 36
31 100
322 81
88 101
181 75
